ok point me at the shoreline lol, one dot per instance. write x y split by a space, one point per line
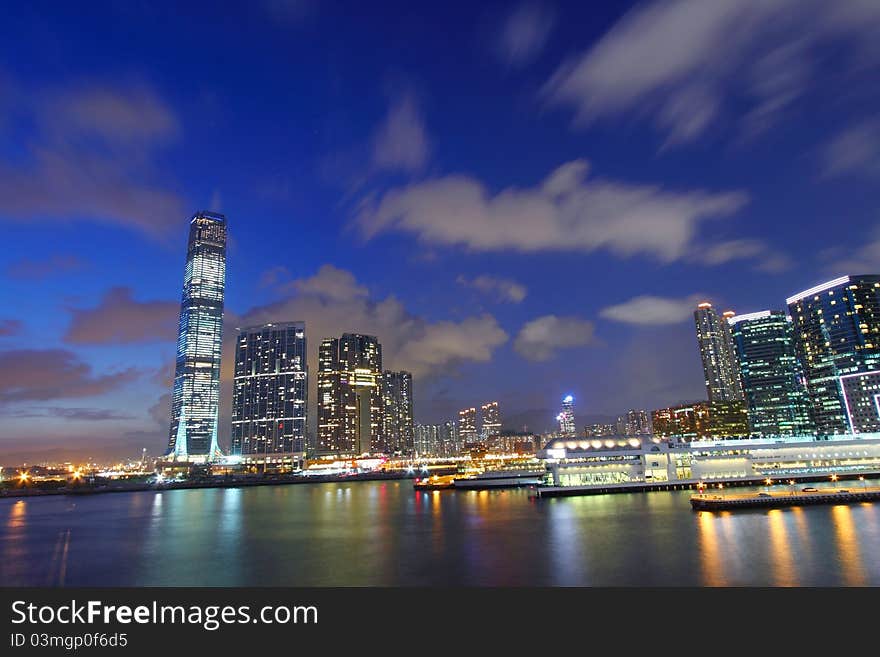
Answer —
187 485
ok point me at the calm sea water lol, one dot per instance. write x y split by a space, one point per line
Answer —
385 533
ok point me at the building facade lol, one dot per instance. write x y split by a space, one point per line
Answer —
397 400
717 354
427 440
450 444
637 423
490 420
467 426
565 419
773 382
599 430
701 421
837 333
270 390
195 397
350 406
861 398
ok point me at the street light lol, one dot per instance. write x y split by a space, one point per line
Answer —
834 477
791 483
862 479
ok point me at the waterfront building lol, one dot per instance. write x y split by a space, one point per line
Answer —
427 440
490 419
637 423
599 430
701 421
773 382
717 354
837 334
195 396
397 399
566 417
861 397
467 426
630 461
269 394
450 445
350 407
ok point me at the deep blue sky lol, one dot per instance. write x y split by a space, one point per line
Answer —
381 166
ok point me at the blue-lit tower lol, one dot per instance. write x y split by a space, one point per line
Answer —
566 417
195 398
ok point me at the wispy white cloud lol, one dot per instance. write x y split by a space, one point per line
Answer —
567 211
854 150
684 62
90 155
647 310
401 142
503 289
524 32
541 338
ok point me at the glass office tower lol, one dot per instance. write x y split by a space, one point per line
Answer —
773 382
195 398
270 390
837 335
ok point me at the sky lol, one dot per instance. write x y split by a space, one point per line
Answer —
521 201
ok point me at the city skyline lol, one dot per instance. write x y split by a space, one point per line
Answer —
393 198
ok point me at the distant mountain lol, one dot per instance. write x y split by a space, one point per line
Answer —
543 420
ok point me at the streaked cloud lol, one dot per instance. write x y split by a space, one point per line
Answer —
121 319
29 269
854 150
684 63
401 142
567 211
88 153
501 289
648 310
333 302
524 32
44 374
541 338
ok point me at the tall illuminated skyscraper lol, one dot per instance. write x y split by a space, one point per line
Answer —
773 382
566 417
490 416
350 408
397 399
467 426
195 397
717 353
270 390
837 337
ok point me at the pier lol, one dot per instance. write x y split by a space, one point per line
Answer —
773 500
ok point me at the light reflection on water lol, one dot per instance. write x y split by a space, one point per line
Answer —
385 533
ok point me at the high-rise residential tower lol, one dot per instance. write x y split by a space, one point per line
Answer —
717 353
450 445
270 390
566 417
637 423
837 339
490 418
467 426
350 408
773 382
195 397
427 440
397 400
